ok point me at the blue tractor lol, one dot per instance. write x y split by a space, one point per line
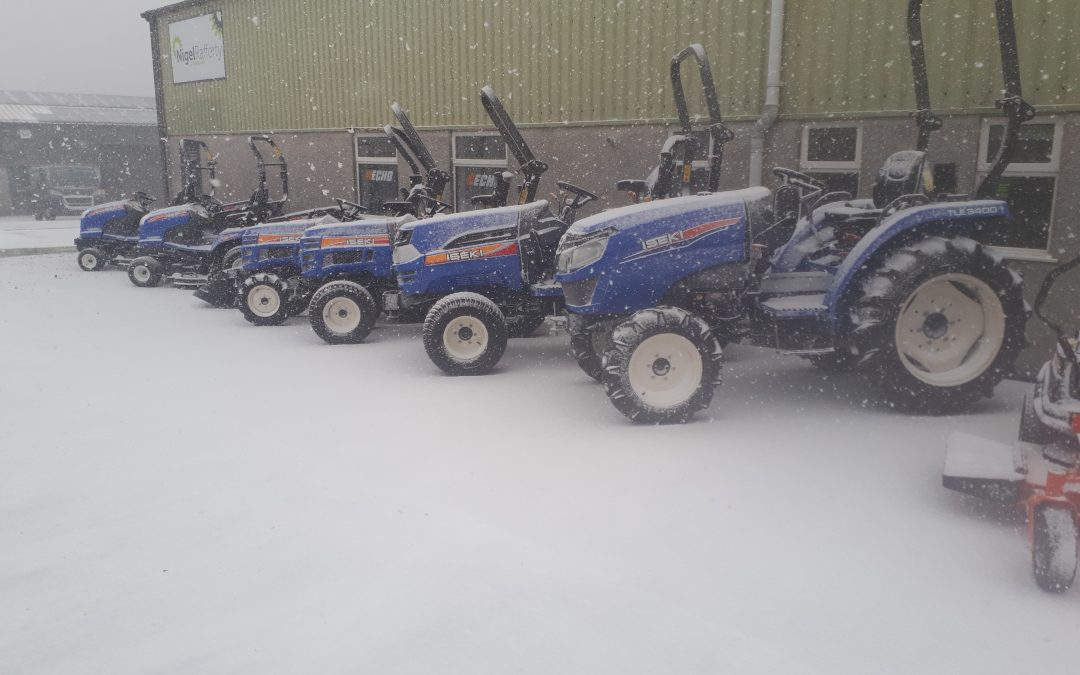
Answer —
285 264
191 242
483 276
109 233
897 286
488 278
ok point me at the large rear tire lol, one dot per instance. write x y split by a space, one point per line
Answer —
663 366
938 324
145 272
264 299
92 259
1053 549
465 334
343 312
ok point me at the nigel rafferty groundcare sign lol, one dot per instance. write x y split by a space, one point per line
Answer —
197 47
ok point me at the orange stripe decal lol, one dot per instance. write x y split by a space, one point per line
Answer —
473 253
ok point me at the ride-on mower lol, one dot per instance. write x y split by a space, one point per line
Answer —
1041 472
285 264
896 286
109 233
188 243
481 277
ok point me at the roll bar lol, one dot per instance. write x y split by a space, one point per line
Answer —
192 152
531 168
261 196
1040 299
409 144
1016 109
718 133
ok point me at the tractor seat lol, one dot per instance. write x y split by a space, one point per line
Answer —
902 175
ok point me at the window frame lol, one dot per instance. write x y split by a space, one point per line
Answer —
827 166
476 163
1051 169
360 160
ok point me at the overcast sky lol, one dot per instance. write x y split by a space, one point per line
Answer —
85 46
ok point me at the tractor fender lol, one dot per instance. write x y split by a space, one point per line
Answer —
940 219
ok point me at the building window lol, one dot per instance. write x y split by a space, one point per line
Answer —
478 160
832 153
1029 182
376 172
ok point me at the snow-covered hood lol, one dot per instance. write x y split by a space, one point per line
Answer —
634 215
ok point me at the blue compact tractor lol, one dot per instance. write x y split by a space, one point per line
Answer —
189 242
285 264
480 277
109 233
897 286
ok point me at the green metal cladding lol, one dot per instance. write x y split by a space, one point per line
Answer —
331 64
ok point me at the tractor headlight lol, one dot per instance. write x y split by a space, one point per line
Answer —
579 255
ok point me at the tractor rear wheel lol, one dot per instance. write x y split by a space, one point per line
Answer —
1053 549
343 312
939 324
465 334
663 366
145 272
92 260
264 299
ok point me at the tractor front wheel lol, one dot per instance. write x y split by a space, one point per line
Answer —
343 312
145 272
939 324
588 342
663 366
1053 548
92 260
465 334
264 299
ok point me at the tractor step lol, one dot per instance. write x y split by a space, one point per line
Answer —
794 306
546 289
187 280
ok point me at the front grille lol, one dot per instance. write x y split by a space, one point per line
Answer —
277 253
580 293
344 258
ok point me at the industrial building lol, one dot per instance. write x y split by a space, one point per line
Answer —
588 82
78 149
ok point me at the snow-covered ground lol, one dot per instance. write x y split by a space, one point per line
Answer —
19 233
182 492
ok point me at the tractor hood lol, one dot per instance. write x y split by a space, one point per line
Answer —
648 213
281 233
155 224
437 232
94 219
367 232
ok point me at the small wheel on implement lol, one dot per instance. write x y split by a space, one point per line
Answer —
663 366
343 312
92 260
145 272
465 334
264 299
1053 549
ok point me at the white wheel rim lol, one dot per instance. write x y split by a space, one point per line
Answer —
665 370
264 300
465 338
89 260
950 330
141 273
341 315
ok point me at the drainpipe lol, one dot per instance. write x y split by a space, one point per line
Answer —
159 99
771 110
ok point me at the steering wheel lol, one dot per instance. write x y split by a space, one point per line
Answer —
350 210
575 190
792 177
143 198
210 201
904 202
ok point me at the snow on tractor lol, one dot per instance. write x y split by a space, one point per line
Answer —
109 233
189 243
284 265
1041 472
897 286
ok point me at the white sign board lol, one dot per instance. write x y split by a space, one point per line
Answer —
197 47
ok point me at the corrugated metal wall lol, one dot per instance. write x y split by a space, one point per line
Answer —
851 56
330 64
320 64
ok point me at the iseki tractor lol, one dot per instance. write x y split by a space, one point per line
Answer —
897 287
1040 473
483 276
109 233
